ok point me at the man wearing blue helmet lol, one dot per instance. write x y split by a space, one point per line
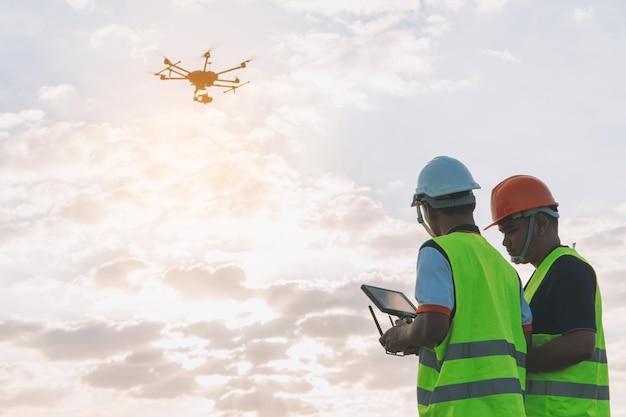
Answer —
471 311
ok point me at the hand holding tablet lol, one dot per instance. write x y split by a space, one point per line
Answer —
393 303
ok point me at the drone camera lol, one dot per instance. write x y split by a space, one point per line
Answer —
203 98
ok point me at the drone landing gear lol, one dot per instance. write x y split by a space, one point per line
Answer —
203 98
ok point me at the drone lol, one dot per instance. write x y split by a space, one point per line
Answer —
202 79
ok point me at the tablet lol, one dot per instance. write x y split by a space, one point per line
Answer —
389 301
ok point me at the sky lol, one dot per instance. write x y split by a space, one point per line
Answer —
164 257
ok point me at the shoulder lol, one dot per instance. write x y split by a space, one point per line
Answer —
572 266
570 273
429 246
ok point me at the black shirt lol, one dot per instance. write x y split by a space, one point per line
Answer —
565 300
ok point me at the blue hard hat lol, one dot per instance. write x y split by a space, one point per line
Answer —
442 176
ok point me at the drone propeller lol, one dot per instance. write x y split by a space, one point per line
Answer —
245 63
207 56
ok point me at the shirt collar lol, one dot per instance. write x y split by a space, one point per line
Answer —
467 228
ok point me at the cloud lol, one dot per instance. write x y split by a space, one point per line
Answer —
170 387
489 6
87 340
336 326
215 366
191 4
613 238
283 327
136 369
293 300
20 119
140 41
504 55
51 93
265 401
116 273
446 5
81 4
612 288
218 335
225 281
359 8
437 25
84 209
350 212
599 238
582 15
134 207
11 330
260 352
146 373
366 365
37 397
275 383
344 73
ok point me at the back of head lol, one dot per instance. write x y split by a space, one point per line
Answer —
445 186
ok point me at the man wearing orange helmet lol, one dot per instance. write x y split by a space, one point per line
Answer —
567 365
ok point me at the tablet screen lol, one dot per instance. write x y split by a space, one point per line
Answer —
389 301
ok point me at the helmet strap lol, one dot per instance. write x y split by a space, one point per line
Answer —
422 221
521 258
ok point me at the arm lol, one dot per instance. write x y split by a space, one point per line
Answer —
434 291
427 330
562 352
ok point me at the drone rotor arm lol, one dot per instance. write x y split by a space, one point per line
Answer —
175 67
231 69
181 72
235 87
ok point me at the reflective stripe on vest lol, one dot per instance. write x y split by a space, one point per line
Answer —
469 390
473 350
567 389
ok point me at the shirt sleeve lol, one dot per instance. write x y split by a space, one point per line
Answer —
527 315
575 290
434 288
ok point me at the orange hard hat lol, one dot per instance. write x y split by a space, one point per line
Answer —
517 194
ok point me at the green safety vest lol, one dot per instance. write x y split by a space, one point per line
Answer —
479 368
580 390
